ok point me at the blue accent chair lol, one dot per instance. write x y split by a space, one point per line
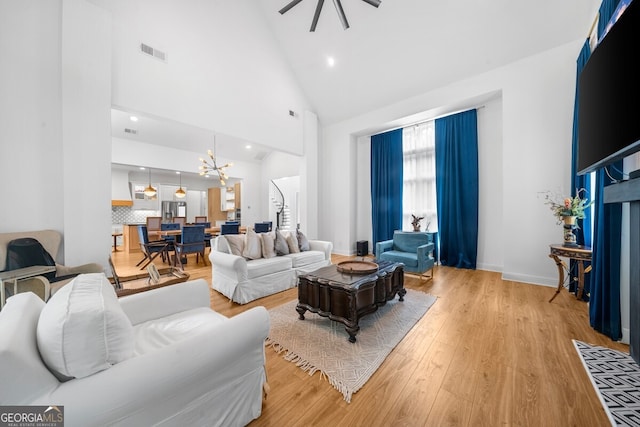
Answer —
412 248
192 242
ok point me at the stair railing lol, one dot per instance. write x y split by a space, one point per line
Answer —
278 199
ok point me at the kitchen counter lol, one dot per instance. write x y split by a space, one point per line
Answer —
130 238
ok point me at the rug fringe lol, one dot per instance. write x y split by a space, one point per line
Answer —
307 366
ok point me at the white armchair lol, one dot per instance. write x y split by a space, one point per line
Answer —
190 365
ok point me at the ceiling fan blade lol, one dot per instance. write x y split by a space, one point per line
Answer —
341 15
374 3
316 15
289 6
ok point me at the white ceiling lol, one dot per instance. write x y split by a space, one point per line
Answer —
168 133
390 53
408 47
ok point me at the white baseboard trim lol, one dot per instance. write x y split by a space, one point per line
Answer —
533 280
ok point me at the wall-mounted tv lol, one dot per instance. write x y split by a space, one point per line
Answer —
609 95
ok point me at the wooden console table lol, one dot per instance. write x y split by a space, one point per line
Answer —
345 297
578 253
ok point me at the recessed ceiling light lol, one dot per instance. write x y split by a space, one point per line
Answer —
331 61
133 118
141 168
248 147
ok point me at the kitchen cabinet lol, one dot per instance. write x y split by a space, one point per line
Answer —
143 202
227 199
236 189
168 193
223 203
214 212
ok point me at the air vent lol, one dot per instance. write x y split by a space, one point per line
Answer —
131 131
148 50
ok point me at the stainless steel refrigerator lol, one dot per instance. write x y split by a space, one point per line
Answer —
171 209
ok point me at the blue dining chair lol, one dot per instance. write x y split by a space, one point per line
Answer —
151 249
192 242
230 229
166 226
207 236
261 227
171 240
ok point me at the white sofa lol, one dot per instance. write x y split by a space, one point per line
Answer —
190 364
243 280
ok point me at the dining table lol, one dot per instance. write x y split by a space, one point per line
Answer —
213 231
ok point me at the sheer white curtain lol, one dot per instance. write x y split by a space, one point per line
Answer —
419 190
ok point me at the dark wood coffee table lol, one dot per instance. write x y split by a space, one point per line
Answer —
345 297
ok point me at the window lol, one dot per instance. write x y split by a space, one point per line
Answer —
419 188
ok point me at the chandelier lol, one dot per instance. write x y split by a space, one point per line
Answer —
210 165
336 3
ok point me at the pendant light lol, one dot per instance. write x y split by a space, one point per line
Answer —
180 193
150 191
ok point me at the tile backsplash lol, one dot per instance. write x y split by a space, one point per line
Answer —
126 215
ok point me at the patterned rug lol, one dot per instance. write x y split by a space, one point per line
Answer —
616 378
319 344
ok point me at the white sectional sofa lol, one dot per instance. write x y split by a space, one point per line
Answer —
161 357
243 279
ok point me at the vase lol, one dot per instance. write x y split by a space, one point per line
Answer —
569 226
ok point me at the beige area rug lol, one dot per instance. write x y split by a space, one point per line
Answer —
319 344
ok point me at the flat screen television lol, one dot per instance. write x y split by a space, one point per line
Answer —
609 95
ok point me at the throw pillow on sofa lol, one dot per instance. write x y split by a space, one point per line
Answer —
236 243
252 245
292 242
83 330
268 244
282 248
222 245
303 241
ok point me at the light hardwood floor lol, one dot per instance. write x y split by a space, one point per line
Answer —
489 352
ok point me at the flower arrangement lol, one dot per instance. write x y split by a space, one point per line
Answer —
570 206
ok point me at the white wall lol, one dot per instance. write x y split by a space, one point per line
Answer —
31 116
524 142
55 123
224 71
86 132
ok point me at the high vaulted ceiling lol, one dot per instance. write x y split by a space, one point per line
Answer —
399 50
408 47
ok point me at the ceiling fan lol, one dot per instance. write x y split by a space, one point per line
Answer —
337 4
